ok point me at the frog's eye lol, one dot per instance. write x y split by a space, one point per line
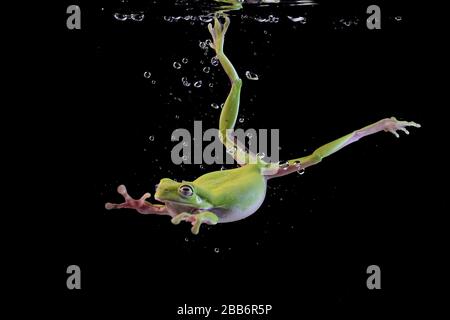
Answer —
186 190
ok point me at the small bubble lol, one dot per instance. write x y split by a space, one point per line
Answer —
185 82
177 116
137 16
251 76
202 45
205 18
185 60
153 81
206 69
241 120
211 85
147 74
221 105
198 84
151 138
120 16
298 19
398 18
215 61
177 65
273 19
301 171
215 105
216 250
186 239
202 167
284 165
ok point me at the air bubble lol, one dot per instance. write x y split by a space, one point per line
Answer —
137 16
177 65
251 76
284 165
241 120
298 19
151 138
214 61
206 69
120 16
147 74
215 105
185 82
185 60
216 250
301 171
205 19
198 84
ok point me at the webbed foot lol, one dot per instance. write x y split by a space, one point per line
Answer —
218 33
392 125
196 219
139 205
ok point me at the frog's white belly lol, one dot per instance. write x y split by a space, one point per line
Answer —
236 213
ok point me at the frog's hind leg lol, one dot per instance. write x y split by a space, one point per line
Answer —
140 205
391 125
230 109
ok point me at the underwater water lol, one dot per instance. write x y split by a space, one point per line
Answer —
138 70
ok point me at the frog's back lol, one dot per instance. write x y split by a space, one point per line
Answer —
235 193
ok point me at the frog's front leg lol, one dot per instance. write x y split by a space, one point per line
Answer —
140 205
196 219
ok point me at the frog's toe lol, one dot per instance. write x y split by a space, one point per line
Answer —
181 217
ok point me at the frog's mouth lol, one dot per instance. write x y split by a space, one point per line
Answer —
173 202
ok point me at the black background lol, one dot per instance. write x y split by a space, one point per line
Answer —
307 248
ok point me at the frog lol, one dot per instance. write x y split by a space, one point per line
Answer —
231 195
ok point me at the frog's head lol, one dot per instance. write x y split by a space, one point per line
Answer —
181 193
